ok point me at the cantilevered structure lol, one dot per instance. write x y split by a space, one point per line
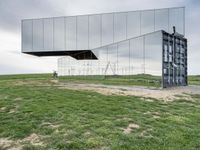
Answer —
118 43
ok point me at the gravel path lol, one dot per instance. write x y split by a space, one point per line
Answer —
168 94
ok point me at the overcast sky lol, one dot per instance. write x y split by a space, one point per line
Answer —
12 61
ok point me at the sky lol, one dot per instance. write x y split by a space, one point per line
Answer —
12 61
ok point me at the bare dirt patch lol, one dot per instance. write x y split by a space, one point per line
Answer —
87 134
33 83
155 115
148 94
10 144
18 99
54 126
51 125
130 128
145 133
5 142
2 108
34 139
14 110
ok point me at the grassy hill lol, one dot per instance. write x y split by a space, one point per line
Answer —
36 114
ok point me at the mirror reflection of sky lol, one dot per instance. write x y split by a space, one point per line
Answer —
137 55
92 31
134 56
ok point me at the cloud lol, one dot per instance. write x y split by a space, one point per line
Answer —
12 11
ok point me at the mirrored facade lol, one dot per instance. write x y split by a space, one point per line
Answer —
133 56
86 32
118 43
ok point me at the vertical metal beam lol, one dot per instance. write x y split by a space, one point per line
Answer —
126 25
113 27
186 62
32 34
144 54
129 56
140 22
154 20
65 32
43 33
117 59
169 65
22 45
53 34
162 77
173 52
101 29
184 21
168 18
88 32
76 32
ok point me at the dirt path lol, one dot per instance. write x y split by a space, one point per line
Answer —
169 94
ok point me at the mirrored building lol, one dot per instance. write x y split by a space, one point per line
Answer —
118 43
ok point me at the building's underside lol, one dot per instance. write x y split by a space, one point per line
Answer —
79 54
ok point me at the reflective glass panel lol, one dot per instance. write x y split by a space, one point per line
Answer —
38 34
137 55
94 31
147 21
59 34
123 58
153 53
82 32
107 29
133 24
27 35
176 18
161 19
48 34
120 26
70 23
112 59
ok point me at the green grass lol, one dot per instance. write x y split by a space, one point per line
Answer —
26 76
88 120
140 79
194 80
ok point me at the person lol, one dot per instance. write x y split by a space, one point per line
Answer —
55 75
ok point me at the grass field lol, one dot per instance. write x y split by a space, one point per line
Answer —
140 80
194 80
36 114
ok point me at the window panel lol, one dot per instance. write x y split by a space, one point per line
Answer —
119 26
153 53
133 24
161 19
94 31
107 29
71 33
176 18
48 34
112 59
82 32
137 55
123 58
27 35
59 34
38 34
147 21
